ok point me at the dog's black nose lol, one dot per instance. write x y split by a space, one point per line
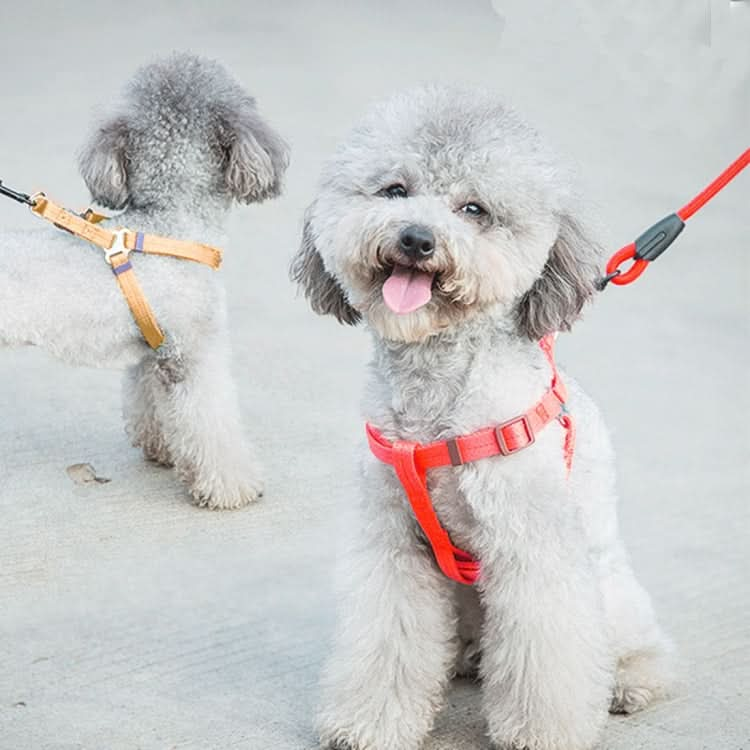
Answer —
416 242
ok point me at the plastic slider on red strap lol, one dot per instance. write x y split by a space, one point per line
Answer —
454 452
514 435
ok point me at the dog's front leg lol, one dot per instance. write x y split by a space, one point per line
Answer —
546 661
396 637
199 417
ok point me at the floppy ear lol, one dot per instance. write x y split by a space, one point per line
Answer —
256 157
320 287
102 163
567 282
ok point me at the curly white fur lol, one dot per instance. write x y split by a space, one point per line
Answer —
182 144
558 627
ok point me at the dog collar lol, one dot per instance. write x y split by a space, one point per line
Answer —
412 460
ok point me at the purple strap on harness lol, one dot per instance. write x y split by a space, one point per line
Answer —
121 269
138 242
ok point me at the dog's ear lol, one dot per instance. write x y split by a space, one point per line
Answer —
322 290
255 156
103 163
567 282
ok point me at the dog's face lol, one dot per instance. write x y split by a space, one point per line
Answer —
440 206
185 132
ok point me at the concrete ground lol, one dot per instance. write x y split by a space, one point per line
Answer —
129 618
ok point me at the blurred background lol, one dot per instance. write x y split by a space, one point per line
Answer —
129 618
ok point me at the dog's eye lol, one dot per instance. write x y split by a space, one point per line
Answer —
473 209
395 191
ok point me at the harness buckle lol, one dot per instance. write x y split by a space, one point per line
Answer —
118 246
505 449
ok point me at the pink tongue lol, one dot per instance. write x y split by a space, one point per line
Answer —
407 289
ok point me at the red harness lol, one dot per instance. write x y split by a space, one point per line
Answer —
411 461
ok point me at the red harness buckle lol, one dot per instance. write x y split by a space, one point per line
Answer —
527 436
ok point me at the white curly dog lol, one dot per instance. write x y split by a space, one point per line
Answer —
185 141
446 225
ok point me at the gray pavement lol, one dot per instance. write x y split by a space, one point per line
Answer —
130 619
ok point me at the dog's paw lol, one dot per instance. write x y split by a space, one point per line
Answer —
642 678
340 740
224 495
628 700
340 744
369 735
156 451
149 438
336 739
538 728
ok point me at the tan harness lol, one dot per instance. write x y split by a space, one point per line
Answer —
117 246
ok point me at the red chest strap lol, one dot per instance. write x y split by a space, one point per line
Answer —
411 461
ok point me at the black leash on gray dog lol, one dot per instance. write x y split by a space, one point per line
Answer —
656 239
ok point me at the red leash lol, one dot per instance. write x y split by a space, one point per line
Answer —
412 460
655 240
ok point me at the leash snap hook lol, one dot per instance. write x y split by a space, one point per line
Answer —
118 246
601 283
17 196
616 275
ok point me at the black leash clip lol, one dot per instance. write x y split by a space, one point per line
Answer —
656 239
648 247
15 195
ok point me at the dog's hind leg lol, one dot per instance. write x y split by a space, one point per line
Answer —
198 412
395 643
645 669
143 390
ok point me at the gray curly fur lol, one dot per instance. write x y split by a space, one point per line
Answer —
501 160
558 628
184 129
179 146
321 289
566 284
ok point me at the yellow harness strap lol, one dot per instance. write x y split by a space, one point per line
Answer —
117 247
75 224
131 289
154 245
